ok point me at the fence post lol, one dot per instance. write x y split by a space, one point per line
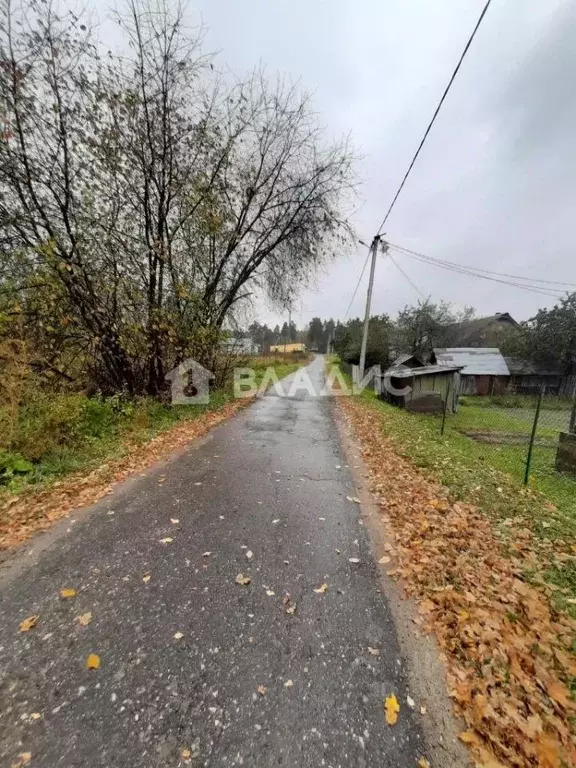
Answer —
533 436
445 408
572 427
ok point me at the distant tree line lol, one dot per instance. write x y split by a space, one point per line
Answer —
143 197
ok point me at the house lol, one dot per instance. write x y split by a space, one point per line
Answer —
528 378
423 389
481 332
287 349
484 369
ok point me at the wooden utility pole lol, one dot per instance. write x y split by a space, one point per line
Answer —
374 249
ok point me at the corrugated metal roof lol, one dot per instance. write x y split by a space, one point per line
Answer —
427 370
476 361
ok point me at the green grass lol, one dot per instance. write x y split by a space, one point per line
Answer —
57 434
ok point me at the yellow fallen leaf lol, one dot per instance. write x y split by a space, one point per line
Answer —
423 763
166 540
93 661
384 560
185 754
35 716
261 690
392 708
84 619
146 578
469 737
23 759
174 520
322 590
243 580
373 651
288 684
178 636
270 592
291 610
27 624
67 593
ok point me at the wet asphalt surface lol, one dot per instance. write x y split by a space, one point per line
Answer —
271 481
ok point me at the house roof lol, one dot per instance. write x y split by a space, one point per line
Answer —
426 370
476 361
528 368
463 332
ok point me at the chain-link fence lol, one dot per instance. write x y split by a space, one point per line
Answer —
530 436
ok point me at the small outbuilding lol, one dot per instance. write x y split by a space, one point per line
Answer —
423 389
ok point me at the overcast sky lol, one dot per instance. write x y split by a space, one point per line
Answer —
495 184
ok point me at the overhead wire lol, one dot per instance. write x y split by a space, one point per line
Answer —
358 283
472 273
484 271
406 277
435 115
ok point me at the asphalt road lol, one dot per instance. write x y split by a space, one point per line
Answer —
271 482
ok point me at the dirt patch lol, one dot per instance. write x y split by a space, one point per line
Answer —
35 510
507 438
508 652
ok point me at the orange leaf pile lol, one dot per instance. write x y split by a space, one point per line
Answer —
508 652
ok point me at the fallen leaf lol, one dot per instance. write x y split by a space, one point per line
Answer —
206 554
275 522
288 684
243 580
261 690
384 560
174 520
27 624
392 709
84 619
35 716
469 737
249 555
354 560
270 592
373 651
146 578
423 763
291 610
23 760
355 499
67 593
185 754
322 590
166 540
178 636
422 710
93 661
410 701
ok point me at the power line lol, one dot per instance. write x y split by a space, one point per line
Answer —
471 273
408 279
485 271
438 108
358 284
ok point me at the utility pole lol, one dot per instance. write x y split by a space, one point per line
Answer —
374 249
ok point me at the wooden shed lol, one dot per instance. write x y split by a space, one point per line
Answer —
423 389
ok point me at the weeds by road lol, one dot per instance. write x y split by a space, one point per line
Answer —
72 448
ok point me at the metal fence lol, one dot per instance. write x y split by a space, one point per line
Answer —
531 436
